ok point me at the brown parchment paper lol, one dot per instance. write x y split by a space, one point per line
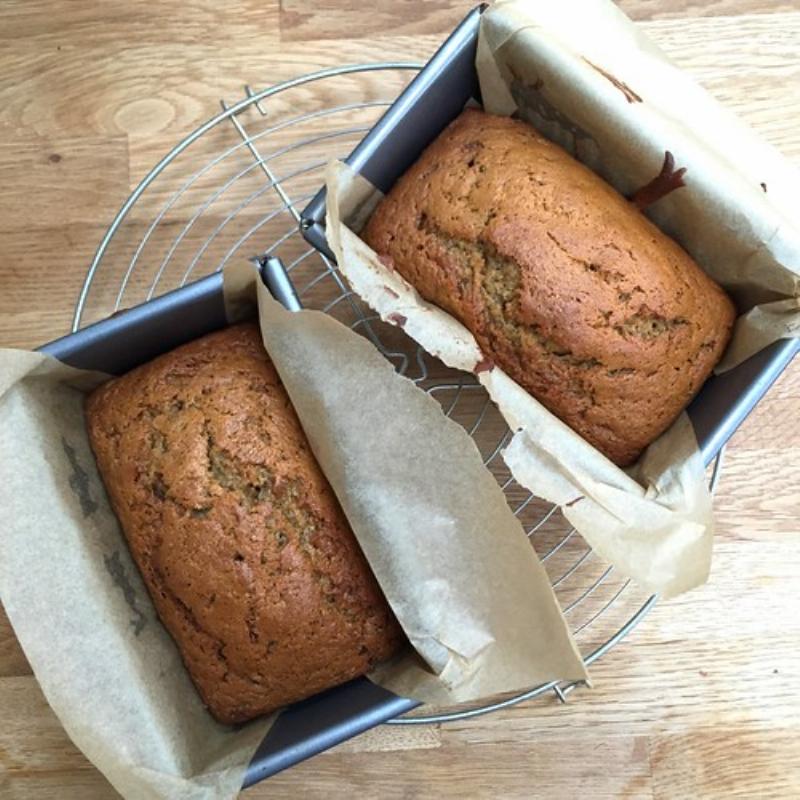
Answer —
450 556
608 95
453 560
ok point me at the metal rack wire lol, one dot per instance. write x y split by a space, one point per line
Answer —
234 188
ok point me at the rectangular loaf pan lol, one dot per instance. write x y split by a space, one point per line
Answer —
137 335
435 97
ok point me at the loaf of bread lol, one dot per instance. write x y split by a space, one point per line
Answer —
244 549
565 284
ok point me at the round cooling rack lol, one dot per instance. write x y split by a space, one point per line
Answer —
234 189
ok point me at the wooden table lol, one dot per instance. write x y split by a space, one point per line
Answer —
704 699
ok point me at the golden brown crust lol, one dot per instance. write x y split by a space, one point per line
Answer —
564 283
245 551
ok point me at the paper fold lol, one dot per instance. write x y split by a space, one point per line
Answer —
451 557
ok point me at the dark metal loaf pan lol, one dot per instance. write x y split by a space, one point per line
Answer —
134 337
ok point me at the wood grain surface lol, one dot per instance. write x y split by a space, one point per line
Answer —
703 700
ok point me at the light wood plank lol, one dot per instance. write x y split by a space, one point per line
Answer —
12 659
682 9
521 769
734 763
48 184
335 19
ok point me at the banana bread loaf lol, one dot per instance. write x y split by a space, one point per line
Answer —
565 285
244 549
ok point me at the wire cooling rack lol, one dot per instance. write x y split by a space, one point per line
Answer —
234 189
